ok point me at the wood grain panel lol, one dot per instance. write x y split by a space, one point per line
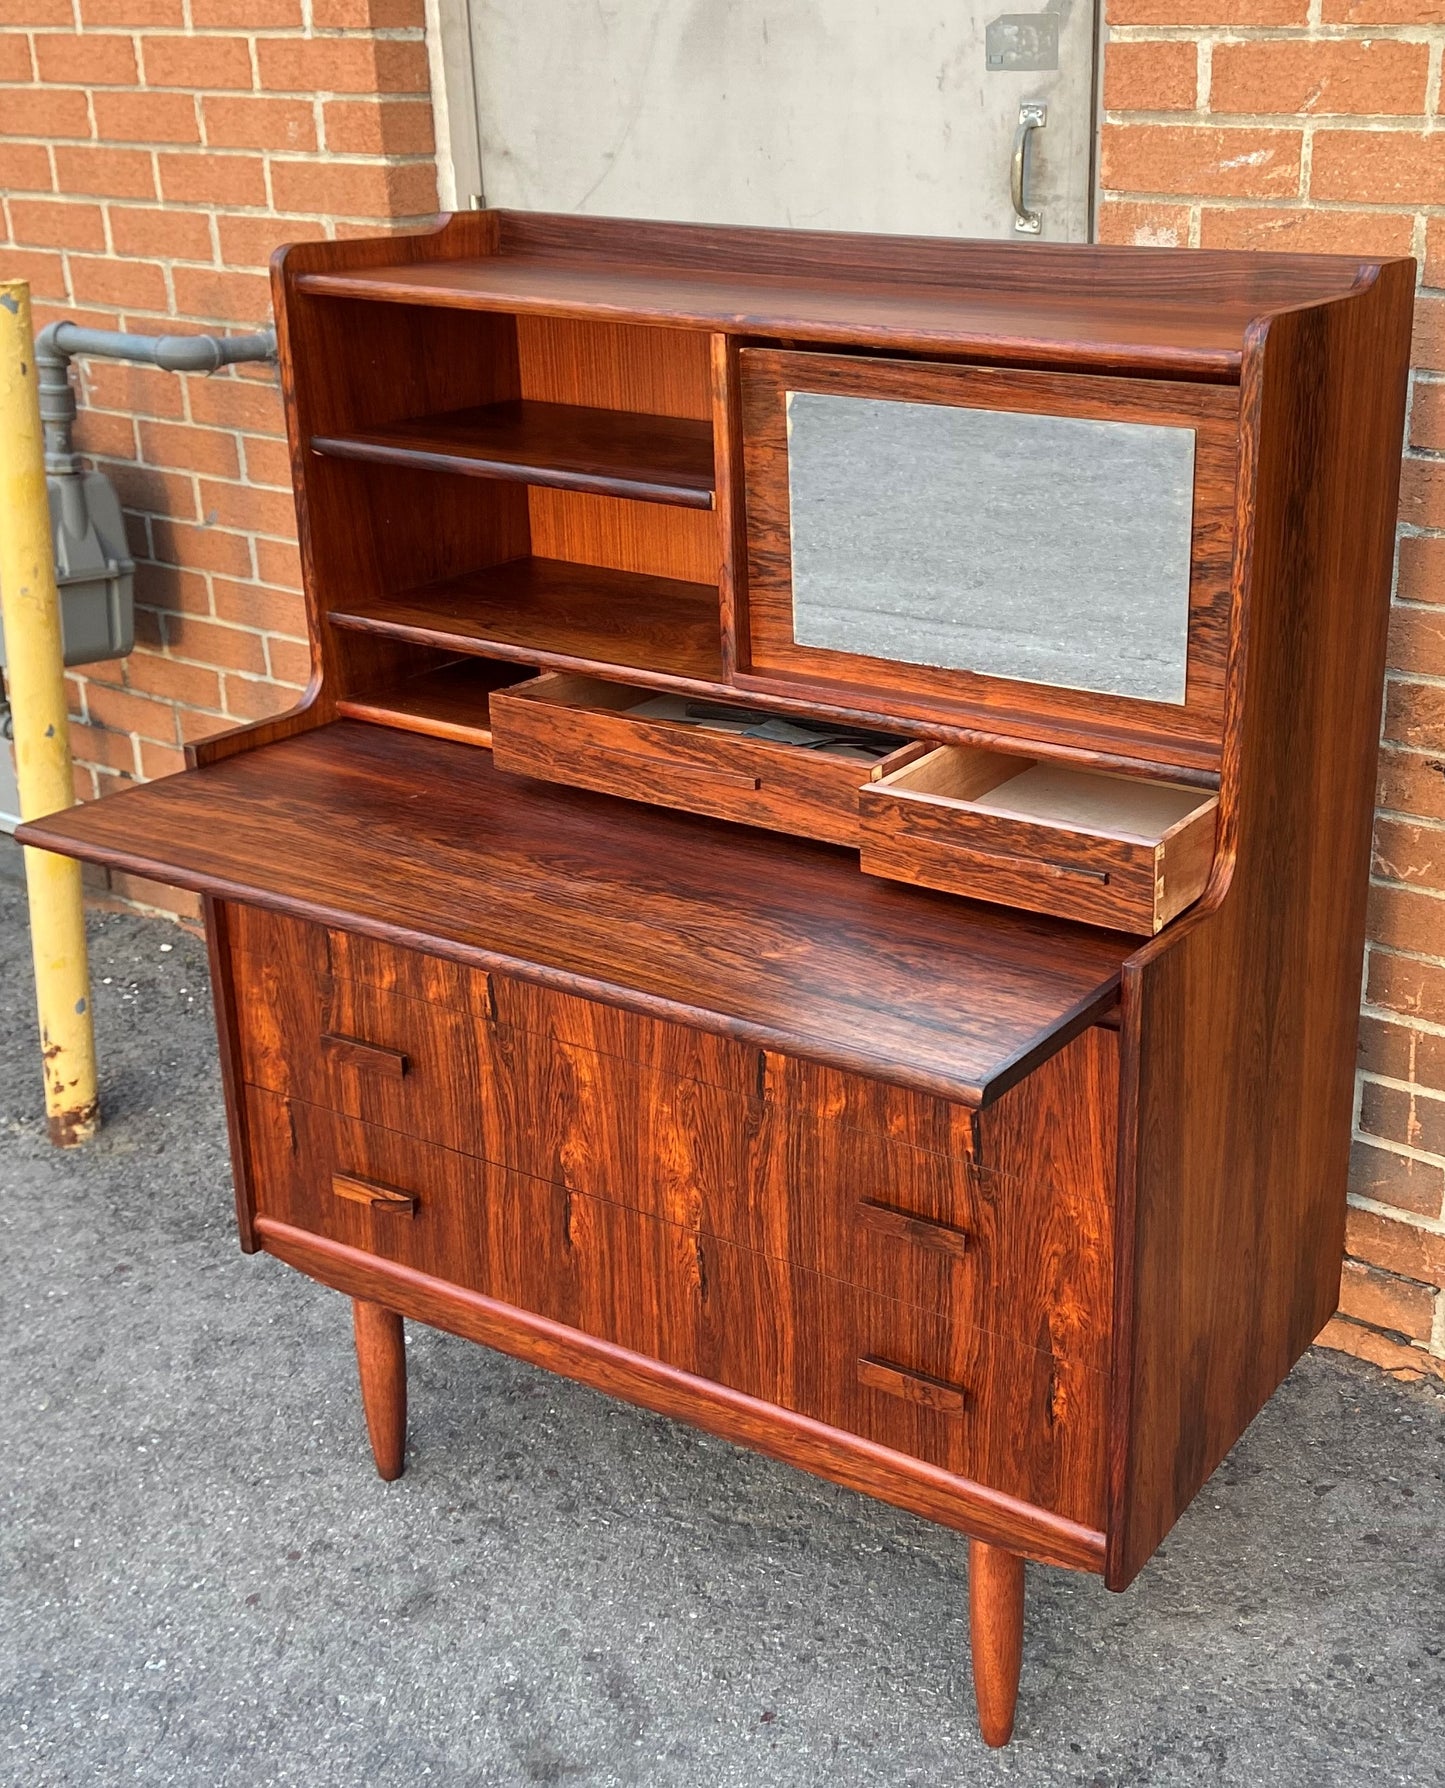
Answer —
644 538
1240 1025
219 954
450 702
799 1440
1032 1427
576 730
1127 309
645 626
367 530
1100 877
771 940
731 502
615 366
1030 1248
420 1069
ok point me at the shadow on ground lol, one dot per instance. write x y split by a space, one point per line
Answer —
205 1583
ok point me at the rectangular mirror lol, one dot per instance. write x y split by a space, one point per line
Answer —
1051 549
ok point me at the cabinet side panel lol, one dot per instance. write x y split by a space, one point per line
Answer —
1240 1027
1050 1145
220 950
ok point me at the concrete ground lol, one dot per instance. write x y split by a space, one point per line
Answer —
204 1582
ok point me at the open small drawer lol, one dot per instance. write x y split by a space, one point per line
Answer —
734 763
1112 850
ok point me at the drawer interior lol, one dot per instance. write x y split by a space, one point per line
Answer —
1127 852
1051 794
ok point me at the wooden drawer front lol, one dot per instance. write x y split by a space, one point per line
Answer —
444 1213
422 1069
1013 1248
679 1050
295 954
297 951
1010 1416
1022 1258
1110 850
580 730
1020 1247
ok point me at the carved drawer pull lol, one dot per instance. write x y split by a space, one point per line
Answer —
926 1231
685 768
373 1195
375 1058
914 1387
1043 865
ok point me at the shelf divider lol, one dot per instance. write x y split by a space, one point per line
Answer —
611 453
575 617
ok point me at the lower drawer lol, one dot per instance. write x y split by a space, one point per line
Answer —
1015 1418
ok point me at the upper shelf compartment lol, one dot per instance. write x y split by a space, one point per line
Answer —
614 453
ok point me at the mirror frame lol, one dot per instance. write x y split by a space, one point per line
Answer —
769 658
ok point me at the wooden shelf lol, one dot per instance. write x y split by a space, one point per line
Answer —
452 702
576 617
774 940
614 453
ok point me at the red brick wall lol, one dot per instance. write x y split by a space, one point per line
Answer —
152 154
1313 124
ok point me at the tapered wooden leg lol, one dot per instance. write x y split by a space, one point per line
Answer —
381 1362
996 1636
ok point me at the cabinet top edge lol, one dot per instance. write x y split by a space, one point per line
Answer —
1143 310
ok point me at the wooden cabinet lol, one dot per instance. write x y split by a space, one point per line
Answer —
819 882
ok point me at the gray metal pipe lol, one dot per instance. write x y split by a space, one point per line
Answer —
58 343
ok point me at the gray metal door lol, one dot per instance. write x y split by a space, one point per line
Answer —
892 115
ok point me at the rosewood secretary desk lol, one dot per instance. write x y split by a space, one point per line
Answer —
819 882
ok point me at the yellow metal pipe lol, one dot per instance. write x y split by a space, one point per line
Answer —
35 675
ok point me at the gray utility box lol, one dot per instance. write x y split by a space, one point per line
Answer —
93 570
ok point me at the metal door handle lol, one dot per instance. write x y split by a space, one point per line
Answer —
1032 117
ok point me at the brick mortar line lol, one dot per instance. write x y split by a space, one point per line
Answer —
1414 1088
1361 1201
152 146
1305 35
1428 1027
1406 1150
1390 883
1291 202
1400 813
1374 123
302 33
1363 1260
1406 955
